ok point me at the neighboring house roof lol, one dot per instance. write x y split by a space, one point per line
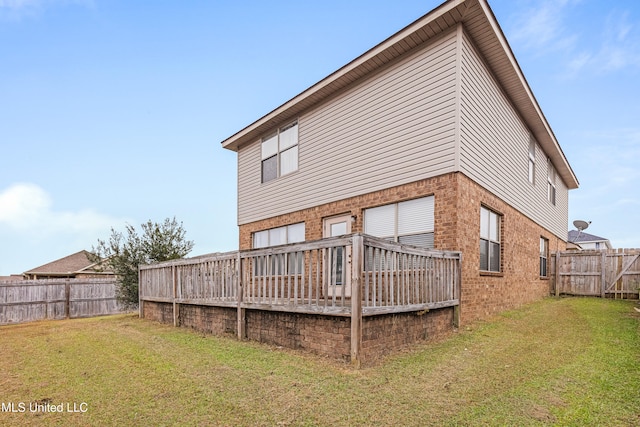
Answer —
480 23
578 237
11 278
70 265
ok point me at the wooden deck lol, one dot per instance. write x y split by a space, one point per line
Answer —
349 276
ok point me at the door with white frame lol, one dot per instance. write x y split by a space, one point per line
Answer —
339 261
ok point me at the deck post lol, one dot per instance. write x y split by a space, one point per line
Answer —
458 292
356 299
242 324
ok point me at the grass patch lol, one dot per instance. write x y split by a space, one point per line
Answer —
569 361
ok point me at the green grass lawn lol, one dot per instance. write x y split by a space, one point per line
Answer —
569 361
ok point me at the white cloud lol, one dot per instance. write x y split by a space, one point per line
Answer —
620 44
21 204
35 232
27 208
611 43
542 27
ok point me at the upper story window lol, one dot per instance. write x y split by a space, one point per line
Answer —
532 162
489 240
410 222
544 256
551 182
280 153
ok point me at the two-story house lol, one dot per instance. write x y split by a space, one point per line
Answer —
431 138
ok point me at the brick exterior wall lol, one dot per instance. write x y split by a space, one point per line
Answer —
519 282
457 227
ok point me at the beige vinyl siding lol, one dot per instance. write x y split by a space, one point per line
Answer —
494 147
395 127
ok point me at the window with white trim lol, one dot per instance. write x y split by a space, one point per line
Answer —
409 222
551 182
489 240
544 256
279 236
292 263
280 153
532 162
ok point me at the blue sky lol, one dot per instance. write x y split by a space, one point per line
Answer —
112 112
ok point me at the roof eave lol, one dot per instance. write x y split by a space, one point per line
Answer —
239 138
547 138
520 92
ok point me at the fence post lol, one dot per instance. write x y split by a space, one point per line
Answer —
557 273
603 262
356 299
239 296
46 291
67 298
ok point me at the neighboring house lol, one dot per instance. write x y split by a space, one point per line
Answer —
78 265
588 241
431 138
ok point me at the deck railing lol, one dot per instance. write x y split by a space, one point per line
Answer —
353 275
407 278
313 277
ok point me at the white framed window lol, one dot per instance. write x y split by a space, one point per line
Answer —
532 162
293 233
544 256
279 152
489 240
410 222
551 182
292 262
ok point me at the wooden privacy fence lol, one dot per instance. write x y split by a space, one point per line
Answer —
31 300
603 273
353 275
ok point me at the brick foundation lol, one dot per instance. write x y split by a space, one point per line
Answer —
383 334
158 311
323 335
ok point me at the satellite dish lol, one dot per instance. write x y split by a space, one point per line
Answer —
581 225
